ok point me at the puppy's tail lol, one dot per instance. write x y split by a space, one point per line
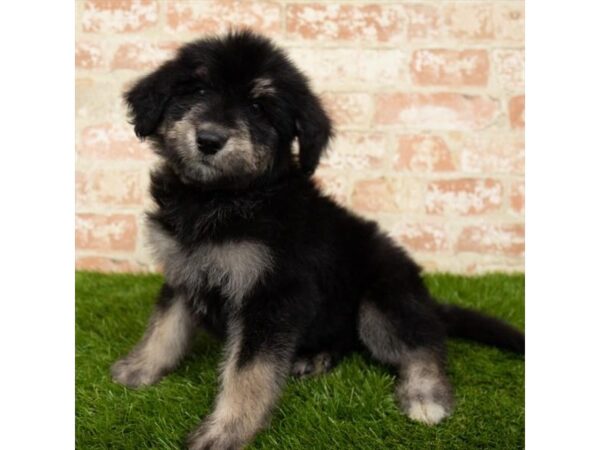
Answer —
472 325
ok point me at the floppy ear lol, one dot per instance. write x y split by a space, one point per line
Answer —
314 130
148 98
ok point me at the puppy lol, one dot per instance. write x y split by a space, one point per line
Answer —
253 252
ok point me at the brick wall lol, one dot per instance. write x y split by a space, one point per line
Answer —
427 96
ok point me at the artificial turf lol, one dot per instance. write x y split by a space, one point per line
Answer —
352 407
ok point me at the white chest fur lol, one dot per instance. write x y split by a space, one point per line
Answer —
233 267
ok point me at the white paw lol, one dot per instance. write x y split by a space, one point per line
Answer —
209 437
426 411
134 371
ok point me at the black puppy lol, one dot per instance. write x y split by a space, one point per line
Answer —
254 253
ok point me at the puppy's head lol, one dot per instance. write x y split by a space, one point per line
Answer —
225 111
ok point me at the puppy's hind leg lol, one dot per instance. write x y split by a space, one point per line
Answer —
163 345
423 391
309 365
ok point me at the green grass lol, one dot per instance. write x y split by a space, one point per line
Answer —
350 408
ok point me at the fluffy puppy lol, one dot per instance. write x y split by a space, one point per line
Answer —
255 254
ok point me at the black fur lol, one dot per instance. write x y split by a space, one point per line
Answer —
327 263
468 324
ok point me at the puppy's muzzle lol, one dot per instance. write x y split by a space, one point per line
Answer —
210 142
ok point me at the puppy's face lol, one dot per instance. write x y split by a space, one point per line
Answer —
225 112
223 135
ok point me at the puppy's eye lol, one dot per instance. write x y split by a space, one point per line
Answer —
202 92
256 108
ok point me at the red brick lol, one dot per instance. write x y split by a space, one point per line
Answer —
97 100
423 153
509 21
355 151
109 187
219 16
84 90
89 56
113 143
517 197
344 22
516 111
489 153
424 21
510 69
469 21
119 15
374 195
352 65
421 237
105 231
436 111
441 67
142 55
462 21
348 108
107 264
506 240
465 196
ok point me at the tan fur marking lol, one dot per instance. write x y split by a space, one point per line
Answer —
163 345
234 267
263 86
169 336
238 157
238 153
246 398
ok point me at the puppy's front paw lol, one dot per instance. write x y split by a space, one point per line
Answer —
134 371
209 437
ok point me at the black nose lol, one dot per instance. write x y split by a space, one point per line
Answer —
210 142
